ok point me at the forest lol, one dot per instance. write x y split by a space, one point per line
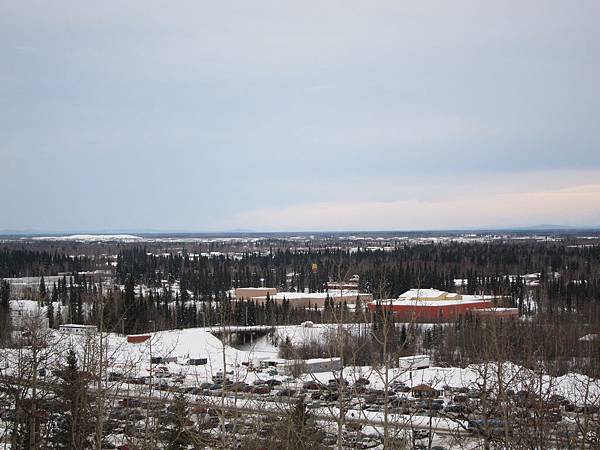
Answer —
182 288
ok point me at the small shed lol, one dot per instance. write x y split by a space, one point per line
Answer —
197 361
424 391
137 338
163 359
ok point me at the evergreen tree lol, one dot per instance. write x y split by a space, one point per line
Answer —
63 290
4 293
50 314
79 308
42 294
75 430
129 294
4 310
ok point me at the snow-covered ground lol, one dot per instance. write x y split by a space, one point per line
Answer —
199 343
133 359
181 344
90 238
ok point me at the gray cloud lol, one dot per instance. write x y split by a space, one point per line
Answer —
196 115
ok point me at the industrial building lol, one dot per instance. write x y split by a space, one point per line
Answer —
413 362
496 313
433 305
302 299
138 338
351 284
75 328
246 293
315 365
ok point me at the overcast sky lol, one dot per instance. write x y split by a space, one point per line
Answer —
278 115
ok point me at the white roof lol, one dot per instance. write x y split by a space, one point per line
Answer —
423 293
466 299
410 358
316 295
589 338
497 308
321 360
307 361
275 360
255 288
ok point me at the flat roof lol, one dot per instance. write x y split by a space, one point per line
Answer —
256 288
499 309
421 303
423 293
320 360
296 295
412 357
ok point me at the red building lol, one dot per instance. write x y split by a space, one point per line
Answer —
496 313
137 338
431 305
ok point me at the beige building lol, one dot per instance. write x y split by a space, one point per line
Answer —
429 294
252 292
302 299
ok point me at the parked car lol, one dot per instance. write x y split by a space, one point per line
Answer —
114 376
316 395
286 393
240 386
490 427
420 434
457 409
553 417
311 385
130 403
260 390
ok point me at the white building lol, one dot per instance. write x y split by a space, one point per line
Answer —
27 313
315 365
413 362
72 328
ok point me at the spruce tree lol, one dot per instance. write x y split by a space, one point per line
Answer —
42 294
4 310
75 430
50 314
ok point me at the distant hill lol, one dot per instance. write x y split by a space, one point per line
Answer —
551 227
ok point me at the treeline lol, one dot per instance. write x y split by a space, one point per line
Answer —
484 267
569 281
557 343
135 313
30 263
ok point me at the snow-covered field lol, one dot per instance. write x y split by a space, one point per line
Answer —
199 343
91 238
133 359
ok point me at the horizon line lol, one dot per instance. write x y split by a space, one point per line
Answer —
55 233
